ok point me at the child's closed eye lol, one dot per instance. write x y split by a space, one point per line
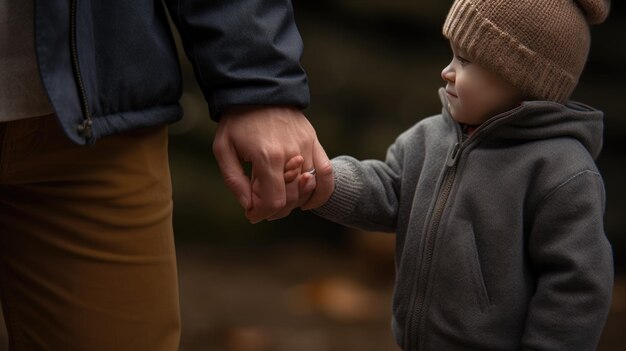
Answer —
463 61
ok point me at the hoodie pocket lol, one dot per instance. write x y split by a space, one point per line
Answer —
477 272
459 282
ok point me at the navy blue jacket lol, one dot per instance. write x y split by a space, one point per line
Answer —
111 65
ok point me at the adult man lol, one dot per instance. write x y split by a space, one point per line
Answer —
86 246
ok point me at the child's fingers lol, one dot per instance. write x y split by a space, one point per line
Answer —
306 185
325 182
291 175
293 167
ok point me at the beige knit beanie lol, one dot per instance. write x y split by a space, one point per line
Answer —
540 46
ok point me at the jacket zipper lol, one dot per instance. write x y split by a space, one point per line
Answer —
85 128
415 319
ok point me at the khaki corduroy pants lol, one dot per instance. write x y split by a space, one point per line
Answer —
87 256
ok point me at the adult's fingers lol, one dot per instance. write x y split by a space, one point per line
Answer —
232 172
293 169
303 186
268 188
291 201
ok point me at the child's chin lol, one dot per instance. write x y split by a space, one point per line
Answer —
460 118
468 120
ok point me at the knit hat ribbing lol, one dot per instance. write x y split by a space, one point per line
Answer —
539 46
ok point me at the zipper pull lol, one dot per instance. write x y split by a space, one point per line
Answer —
84 129
454 155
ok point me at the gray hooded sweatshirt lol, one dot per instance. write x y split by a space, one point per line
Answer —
500 241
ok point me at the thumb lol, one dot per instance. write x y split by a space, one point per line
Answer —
325 182
233 174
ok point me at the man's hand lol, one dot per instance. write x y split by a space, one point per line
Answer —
268 137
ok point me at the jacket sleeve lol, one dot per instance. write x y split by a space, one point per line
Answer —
244 52
572 261
366 192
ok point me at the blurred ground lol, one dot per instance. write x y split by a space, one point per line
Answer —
303 297
300 297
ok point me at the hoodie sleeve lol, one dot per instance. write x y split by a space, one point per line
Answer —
366 192
243 52
572 260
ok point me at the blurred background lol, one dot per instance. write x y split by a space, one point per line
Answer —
305 284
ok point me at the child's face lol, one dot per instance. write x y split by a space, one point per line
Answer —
474 93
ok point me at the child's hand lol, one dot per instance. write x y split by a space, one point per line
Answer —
306 180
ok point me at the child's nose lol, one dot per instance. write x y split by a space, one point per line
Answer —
447 74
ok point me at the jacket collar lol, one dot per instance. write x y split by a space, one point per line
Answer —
535 120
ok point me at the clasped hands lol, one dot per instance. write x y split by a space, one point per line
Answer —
282 148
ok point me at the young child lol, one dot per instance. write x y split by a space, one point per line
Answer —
497 202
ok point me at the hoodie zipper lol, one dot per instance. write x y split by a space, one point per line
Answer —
85 128
416 320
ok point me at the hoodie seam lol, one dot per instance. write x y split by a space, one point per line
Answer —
566 182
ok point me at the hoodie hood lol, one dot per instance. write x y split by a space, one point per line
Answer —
534 120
